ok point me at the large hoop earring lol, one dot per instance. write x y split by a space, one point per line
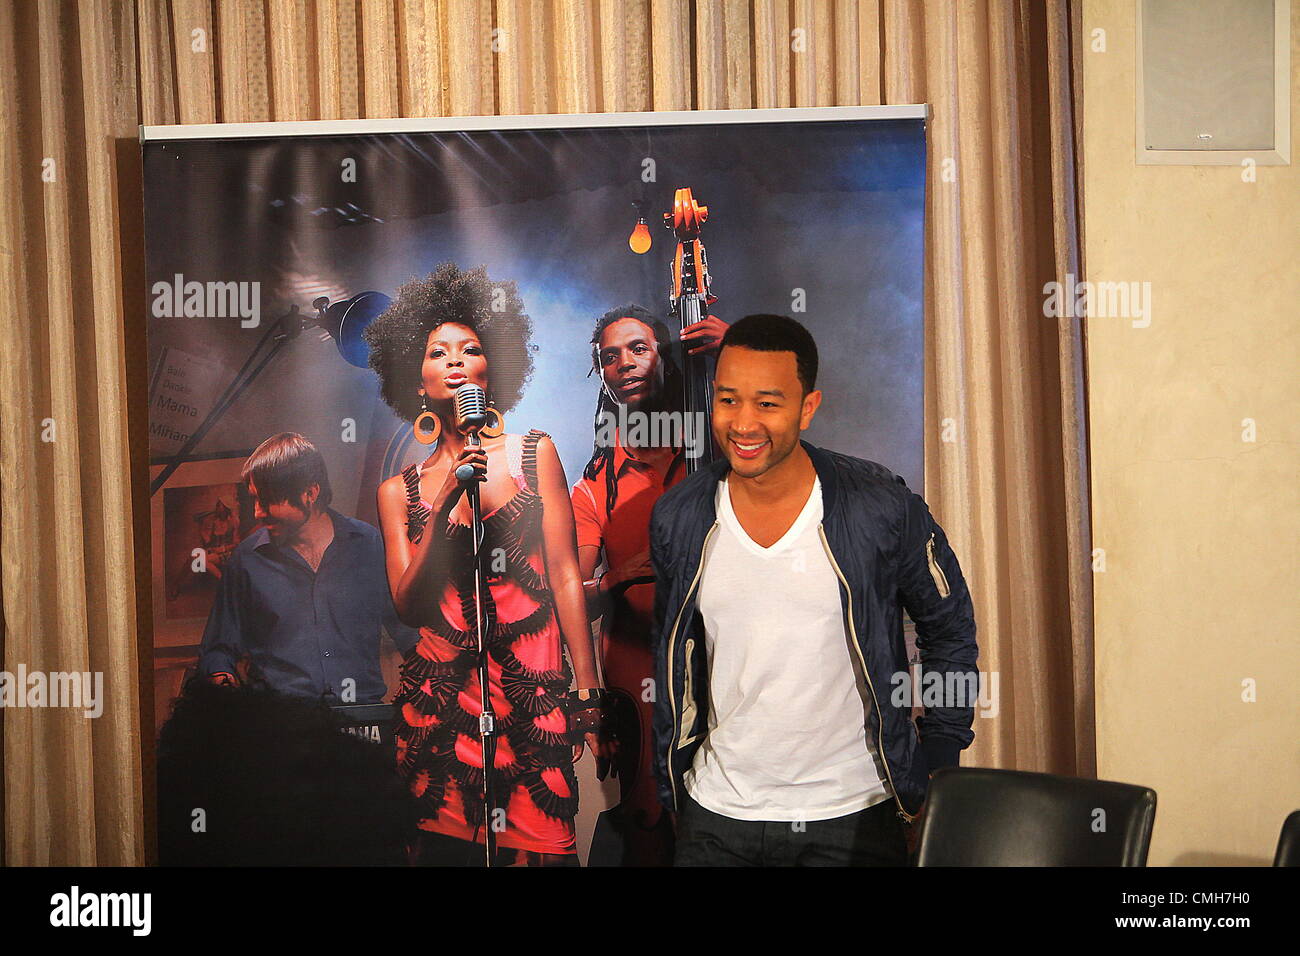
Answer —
427 426
498 426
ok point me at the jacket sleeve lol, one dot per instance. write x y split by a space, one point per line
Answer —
662 721
933 591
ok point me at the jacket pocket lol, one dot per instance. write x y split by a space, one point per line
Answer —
689 710
936 572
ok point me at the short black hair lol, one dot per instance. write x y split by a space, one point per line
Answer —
491 309
777 333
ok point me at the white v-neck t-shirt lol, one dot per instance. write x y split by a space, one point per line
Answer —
787 730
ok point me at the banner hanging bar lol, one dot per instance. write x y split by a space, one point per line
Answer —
453 124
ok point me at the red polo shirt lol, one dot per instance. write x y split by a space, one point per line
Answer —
625 535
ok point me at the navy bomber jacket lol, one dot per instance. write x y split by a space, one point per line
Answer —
889 554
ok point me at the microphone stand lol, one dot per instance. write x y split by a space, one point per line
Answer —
281 332
487 719
344 321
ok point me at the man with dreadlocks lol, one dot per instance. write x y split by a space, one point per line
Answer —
631 349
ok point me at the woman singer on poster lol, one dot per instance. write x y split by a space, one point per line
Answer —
440 333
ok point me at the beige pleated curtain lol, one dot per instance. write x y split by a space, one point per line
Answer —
1006 465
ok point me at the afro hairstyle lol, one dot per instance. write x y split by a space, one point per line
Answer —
492 310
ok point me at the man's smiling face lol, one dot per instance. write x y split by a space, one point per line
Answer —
759 408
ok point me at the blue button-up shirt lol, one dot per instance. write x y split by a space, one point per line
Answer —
306 632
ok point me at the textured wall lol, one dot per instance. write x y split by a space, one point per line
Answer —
1199 527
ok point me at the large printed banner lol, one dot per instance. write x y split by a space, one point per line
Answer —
318 296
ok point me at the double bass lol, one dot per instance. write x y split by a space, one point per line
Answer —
689 298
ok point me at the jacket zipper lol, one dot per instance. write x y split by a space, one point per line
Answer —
936 572
853 633
672 640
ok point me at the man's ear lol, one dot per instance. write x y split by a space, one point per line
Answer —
310 496
811 402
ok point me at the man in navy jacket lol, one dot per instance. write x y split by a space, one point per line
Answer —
780 734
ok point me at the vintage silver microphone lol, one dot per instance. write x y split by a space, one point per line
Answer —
471 417
471 408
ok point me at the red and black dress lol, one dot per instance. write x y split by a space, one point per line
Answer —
438 748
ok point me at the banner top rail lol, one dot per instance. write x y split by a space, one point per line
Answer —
467 124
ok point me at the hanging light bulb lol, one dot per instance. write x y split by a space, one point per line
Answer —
639 241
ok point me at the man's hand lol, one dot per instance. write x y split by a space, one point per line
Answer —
593 723
704 335
603 750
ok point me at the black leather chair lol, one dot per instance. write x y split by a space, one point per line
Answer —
1288 844
979 817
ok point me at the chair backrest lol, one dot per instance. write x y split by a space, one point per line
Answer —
979 817
1288 843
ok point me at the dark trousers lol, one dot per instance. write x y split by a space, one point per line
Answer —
870 837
